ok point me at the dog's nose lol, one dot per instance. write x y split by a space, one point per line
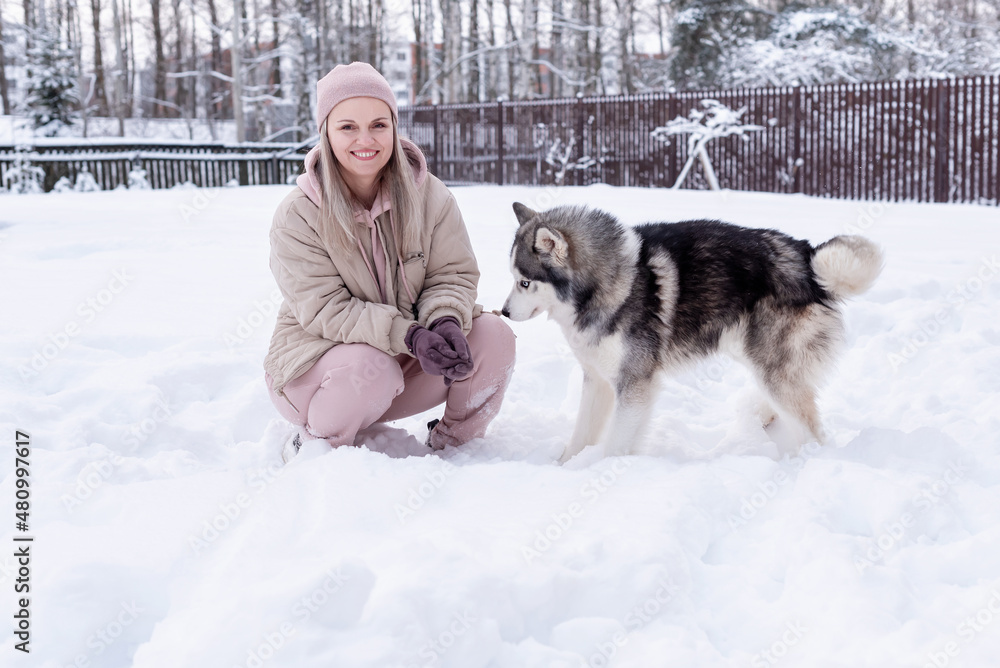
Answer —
504 312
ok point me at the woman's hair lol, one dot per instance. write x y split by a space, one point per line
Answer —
337 204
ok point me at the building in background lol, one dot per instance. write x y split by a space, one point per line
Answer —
397 68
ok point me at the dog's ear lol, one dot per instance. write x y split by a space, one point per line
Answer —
552 245
523 213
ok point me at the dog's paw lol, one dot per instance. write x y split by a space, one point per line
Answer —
583 459
566 456
571 450
766 413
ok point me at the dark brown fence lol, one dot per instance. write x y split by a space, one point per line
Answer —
925 141
166 165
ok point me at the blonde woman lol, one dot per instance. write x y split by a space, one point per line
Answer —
379 319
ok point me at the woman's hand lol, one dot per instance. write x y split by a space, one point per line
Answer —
442 350
451 332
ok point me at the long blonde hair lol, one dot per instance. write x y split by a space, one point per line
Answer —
337 203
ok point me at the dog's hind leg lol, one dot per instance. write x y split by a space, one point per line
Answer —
798 401
596 403
790 352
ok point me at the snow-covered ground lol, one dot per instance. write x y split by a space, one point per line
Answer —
168 534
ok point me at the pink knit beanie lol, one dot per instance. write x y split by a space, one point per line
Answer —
347 81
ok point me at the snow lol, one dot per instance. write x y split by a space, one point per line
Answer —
167 532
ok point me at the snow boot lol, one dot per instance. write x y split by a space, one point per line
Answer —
291 447
430 430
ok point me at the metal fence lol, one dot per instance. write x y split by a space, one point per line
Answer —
165 164
927 141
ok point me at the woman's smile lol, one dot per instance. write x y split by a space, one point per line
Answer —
361 136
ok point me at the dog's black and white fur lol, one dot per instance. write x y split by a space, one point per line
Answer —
634 302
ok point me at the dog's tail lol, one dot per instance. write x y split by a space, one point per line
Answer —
846 266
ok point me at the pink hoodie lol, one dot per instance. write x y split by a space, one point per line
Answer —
310 185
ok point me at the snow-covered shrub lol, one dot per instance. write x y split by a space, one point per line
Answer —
23 177
716 121
559 154
558 158
85 183
137 179
63 185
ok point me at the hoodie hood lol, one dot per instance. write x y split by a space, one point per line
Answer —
309 181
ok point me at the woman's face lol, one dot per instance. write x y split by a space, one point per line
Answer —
360 133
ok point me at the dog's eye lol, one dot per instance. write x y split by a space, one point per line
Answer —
525 284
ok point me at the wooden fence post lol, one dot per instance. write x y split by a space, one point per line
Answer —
577 177
437 141
671 158
942 140
796 138
500 156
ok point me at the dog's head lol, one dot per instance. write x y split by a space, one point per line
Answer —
541 262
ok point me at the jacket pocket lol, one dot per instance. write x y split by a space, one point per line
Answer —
414 272
414 257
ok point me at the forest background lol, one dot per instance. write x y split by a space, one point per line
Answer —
67 59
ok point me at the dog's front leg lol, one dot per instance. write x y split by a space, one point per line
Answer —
596 403
633 405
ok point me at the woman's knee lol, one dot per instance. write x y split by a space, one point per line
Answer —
345 377
358 385
366 371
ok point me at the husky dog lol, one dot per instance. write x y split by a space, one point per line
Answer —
637 301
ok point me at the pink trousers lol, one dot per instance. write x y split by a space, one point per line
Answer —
354 385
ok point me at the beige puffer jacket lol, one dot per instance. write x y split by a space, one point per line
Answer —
330 298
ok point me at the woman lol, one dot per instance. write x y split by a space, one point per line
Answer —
379 319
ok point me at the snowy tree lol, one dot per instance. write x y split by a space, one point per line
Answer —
944 43
715 122
98 92
705 32
811 47
51 101
728 43
4 88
